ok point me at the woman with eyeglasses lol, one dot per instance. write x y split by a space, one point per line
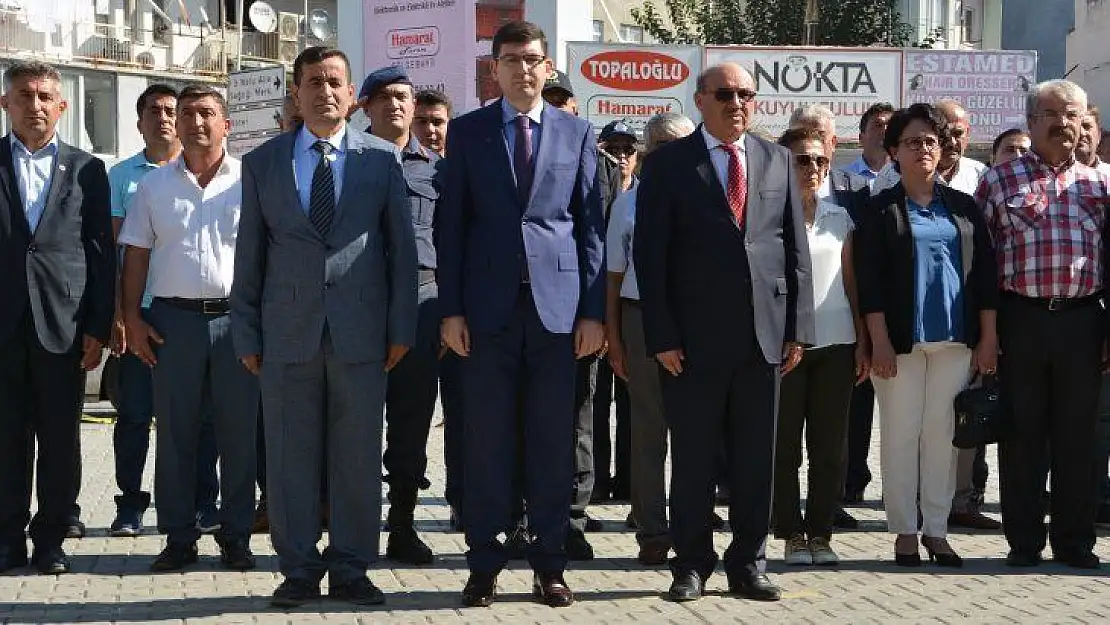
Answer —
816 394
928 290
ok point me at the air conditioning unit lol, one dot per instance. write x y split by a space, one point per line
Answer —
289 26
287 52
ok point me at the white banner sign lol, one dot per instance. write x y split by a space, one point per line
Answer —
846 80
432 40
632 82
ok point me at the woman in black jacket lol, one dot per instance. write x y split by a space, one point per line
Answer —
928 289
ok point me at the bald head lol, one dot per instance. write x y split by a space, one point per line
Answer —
726 100
726 71
959 133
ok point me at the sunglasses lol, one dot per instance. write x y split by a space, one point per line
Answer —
725 95
808 160
622 150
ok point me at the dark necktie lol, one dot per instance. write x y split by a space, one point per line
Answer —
522 157
321 201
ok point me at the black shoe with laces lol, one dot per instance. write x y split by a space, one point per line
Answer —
577 547
406 547
294 593
175 557
236 554
359 591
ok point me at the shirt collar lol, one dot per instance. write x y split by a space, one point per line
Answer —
140 161
508 113
414 149
226 165
863 169
51 146
712 142
305 139
1037 161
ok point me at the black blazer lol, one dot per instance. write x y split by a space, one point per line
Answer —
65 270
691 257
884 262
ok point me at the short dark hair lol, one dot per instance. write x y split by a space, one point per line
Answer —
801 133
434 97
927 113
1013 132
30 69
518 32
318 54
157 90
196 92
878 108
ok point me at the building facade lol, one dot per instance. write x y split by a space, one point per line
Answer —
1041 26
956 24
1088 54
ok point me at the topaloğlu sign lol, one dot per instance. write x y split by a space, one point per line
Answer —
632 82
846 80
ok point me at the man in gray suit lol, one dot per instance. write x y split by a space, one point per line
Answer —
323 306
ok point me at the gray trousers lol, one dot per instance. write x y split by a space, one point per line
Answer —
197 373
964 500
648 430
585 386
306 406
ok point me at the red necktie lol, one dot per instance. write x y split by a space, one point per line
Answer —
737 183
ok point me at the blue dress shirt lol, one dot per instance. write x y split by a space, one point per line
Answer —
938 291
305 159
508 121
860 167
34 172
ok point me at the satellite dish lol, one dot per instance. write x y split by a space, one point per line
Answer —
319 23
263 17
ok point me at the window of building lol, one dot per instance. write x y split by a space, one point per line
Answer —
632 34
967 26
90 121
599 31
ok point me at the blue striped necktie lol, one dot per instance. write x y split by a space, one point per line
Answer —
321 202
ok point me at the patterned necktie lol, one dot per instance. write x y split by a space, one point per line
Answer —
737 183
321 201
522 157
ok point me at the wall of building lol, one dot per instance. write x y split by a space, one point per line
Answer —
1087 49
1041 26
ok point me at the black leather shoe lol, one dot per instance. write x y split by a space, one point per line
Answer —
294 593
406 547
51 561
843 520
577 547
973 520
1079 559
1023 559
480 590
236 554
359 591
753 586
552 590
12 557
75 528
175 556
686 587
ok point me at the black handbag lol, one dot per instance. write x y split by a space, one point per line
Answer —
979 419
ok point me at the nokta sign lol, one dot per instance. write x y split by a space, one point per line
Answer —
800 75
634 70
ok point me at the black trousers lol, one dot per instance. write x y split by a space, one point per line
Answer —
454 445
585 395
1049 385
861 416
709 402
40 400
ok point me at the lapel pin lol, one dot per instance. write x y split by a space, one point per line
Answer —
61 167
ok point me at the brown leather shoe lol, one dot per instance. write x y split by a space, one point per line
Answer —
552 590
973 520
653 553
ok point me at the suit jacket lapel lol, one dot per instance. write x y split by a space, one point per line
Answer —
63 167
548 126
497 152
708 173
286 176
13 217
356 143
757 169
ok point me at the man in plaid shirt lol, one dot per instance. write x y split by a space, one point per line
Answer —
1047 214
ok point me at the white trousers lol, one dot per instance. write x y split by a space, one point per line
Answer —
916 422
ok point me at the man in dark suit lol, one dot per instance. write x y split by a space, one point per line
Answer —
723 268
521 287
57 273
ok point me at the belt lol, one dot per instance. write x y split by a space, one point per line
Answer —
203 306
424 275
631 302
1056 304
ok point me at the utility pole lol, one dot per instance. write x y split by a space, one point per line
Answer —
809 24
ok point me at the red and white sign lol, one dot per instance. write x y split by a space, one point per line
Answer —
846 80
632 82
432 40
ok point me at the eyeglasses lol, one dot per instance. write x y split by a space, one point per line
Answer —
809 160
725 95
1068 116
621 150
528 61
919 143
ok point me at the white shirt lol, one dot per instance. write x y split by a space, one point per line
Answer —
719 157
618 240
34 172
190 231
966 180
1102 166
833 323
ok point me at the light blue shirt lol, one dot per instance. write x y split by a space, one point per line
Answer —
508 121
305 159
34 173
860 167
123 179
938 288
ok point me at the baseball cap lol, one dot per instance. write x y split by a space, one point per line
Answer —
615 128
558 80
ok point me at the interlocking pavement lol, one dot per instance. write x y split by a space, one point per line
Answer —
112 584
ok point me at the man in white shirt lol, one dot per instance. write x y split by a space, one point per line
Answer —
1087 148
181 232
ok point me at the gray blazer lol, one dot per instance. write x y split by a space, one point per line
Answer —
290 281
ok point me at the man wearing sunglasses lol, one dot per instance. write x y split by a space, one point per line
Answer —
724 273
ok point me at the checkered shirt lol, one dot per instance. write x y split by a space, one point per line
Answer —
1047 224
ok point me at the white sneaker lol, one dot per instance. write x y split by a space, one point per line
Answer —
822 552
796 551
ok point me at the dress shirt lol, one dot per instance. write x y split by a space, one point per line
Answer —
508 123
825 191
833 322
860 167
123 178
1047 224
719 157
618 240
938 288
305 159
34 173
1102 166
190 230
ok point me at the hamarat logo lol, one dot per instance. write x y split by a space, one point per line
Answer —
407 43
634 70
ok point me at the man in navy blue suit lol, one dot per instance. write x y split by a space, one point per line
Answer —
522 289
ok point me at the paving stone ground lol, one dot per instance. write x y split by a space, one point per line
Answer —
111 583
